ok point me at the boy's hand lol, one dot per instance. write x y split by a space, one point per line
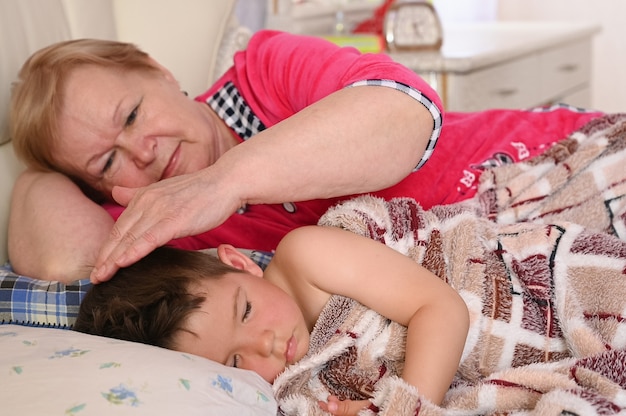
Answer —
338 407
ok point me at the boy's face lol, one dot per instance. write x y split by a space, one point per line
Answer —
246 322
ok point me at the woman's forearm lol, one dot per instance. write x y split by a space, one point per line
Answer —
55 231
356 140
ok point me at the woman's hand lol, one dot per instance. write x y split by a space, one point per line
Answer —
173 208
338 407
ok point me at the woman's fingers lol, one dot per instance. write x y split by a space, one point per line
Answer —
154 216
176 207
123 195
132 237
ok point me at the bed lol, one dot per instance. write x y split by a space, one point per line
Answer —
103 376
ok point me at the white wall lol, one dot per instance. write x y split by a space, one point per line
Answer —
609 61
251 13
452 11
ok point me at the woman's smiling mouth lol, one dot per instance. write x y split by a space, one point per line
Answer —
171 164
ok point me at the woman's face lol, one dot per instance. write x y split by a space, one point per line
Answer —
133 128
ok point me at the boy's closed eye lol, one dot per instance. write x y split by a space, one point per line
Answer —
245 308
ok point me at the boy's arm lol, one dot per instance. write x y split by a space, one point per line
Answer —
333 261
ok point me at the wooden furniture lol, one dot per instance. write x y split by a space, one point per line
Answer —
509 65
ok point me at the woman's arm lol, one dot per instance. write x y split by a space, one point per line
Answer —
359 139
317 261
55 231
355 140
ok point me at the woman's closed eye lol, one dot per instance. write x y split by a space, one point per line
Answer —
108 163
130 120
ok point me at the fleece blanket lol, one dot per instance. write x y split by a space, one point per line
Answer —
539 257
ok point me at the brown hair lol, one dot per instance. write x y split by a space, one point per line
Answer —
36 98
149 301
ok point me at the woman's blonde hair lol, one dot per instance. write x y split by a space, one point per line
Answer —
36 99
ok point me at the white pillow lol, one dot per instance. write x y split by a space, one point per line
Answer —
60 372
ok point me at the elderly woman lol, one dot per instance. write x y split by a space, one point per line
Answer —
295 125
278 127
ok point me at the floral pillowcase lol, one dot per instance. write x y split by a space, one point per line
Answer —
54 371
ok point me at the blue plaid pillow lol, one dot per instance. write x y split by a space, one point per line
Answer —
34 302
28 301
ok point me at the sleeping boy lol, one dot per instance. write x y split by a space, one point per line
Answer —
232 312
336 315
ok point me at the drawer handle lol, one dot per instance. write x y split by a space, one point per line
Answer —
506 92
568 68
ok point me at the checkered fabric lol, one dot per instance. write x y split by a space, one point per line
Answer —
28 301
230 106
558 106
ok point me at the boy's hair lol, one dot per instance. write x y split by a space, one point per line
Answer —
150 301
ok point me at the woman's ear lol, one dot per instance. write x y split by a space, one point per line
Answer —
235 258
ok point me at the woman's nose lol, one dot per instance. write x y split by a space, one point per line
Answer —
142 150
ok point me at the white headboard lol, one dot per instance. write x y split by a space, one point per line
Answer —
195 39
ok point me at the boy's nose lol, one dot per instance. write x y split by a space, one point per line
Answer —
262 343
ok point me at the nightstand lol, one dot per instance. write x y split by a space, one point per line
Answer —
509 65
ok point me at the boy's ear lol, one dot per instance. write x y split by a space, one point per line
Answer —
235 258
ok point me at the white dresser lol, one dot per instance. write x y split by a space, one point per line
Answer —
509 65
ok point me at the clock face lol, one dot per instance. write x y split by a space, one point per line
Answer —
413 26
416 25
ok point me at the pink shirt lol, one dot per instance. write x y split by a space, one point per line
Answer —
280 74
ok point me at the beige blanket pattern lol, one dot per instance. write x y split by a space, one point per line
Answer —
581 179
547 297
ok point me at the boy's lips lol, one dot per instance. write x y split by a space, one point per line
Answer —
290 352
171 164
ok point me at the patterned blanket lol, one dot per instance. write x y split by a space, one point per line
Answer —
539 256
